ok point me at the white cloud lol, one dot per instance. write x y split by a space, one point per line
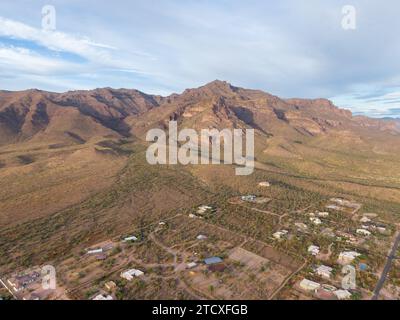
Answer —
27 61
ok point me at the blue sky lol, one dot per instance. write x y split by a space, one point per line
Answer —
289 48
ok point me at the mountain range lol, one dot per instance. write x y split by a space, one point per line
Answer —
77 116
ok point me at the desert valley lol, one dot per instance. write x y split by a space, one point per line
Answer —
77 193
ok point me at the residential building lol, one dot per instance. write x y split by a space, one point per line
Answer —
314 250
95 251
324 271
363 232
309 285
130 274
212 260
110 285
103 297
191 265
280 234
346 257
130 238
342 294
316 221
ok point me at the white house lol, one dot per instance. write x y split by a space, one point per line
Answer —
324 271
346 257
203 209
365 220
249 197
201 237
95 251
191 265
316 221
130 238
128 275
342 294
103 297
309 285
264 184
280 234
323 214
363 232
301 225
314 250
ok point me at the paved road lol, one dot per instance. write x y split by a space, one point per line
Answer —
386 269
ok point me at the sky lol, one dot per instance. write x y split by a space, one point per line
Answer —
289 48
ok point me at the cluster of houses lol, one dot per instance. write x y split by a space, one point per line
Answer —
324 291
28 285
201 211
340 204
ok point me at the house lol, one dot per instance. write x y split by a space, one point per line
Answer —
342 294
130 238
280 234
218 267
324 271
363 232
101 257
314 250
249 197
192 216
110 285
23 281
162 223
328 232
103 297
323 214
346 257
95 251
203 209
323 294
212 260
365 220
316 221
201 237
301 226
309 285
191 265
128 275
264 184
